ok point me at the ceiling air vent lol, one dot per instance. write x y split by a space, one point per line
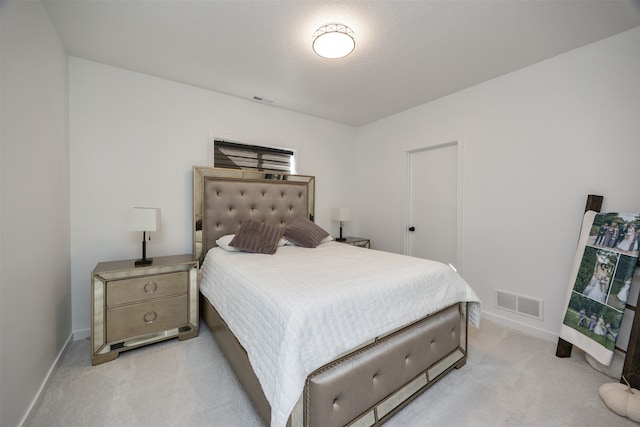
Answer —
263 100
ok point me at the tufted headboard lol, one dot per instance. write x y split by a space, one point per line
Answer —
223 198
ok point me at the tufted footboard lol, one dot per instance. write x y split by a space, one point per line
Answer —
367 384
370 384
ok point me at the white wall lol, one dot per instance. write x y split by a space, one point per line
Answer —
35 291
535 143
134 140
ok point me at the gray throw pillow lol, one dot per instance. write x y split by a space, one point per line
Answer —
257 237
305 233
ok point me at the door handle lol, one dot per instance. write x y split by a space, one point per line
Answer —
412 229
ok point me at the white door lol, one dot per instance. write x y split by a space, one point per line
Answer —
432 229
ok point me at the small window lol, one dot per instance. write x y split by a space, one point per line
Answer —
236 155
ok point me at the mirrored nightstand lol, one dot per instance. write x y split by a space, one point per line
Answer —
134 306
356 241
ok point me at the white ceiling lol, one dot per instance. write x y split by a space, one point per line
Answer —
407 52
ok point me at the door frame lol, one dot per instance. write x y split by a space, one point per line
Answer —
459 144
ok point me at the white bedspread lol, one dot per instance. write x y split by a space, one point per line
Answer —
298 309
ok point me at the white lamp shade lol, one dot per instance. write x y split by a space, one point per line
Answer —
143 219
341 214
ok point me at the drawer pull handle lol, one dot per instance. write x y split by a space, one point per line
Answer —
150 317
150 287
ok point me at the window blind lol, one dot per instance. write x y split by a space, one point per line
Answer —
236 155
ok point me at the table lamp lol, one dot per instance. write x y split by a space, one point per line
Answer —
143 219
342 215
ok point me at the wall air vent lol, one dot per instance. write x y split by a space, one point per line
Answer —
527 306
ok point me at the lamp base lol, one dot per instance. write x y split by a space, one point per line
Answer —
143 262
340 239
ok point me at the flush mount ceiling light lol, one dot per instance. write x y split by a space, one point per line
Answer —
333 41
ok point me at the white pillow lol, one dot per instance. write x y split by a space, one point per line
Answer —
223 242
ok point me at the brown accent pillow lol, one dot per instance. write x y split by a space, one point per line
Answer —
257 237
305 233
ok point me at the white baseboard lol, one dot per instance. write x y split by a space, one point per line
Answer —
36 400
82 334
524 328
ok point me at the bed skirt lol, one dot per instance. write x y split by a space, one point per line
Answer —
371 383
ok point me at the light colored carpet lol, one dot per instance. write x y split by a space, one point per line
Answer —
510 379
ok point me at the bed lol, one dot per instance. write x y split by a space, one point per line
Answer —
330 335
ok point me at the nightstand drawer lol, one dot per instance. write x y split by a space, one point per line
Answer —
142 318
147 287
